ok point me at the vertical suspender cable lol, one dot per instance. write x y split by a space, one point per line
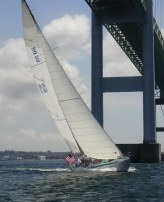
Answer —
160 14
155 8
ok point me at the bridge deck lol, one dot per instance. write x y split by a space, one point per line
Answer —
124 20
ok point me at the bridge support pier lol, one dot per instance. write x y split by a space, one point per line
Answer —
149 151
97 69
149 110
141 153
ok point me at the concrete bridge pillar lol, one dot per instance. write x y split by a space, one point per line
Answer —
97 68
149 110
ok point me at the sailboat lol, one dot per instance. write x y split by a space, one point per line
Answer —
78 127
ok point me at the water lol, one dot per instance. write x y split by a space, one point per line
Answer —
46 181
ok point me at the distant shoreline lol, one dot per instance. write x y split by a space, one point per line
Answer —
23 155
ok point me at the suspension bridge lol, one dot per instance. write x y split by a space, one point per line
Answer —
136 25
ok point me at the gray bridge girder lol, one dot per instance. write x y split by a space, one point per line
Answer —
131 24
127 31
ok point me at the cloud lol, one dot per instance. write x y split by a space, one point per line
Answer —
28 139
69 35
16 81
23 114
116 63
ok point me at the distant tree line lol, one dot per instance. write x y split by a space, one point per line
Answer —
11 154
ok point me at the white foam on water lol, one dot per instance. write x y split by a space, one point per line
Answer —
112 169
132 169
44 169
62 169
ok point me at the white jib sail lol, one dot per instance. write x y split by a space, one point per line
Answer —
42 77
62 99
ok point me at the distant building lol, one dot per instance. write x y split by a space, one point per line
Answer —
5 158
42 158
19 158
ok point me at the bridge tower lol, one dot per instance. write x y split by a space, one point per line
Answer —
149 151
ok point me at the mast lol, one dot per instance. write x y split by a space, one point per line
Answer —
79 126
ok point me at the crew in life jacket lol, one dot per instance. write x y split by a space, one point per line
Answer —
85 161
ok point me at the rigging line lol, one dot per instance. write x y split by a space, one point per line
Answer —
38 78
157 2
77 113
157 93
57 117
32 9
162 110
27 39
91 134
55 48
157 12
154 9
78 121
68 99
85 128
38 64
160 14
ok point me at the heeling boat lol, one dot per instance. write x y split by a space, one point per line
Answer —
79 128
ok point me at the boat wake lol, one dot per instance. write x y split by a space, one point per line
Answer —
44 169
67 170
132 169
112 169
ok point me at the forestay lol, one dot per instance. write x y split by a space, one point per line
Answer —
65 105
42 77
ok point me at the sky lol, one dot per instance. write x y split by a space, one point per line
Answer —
25 123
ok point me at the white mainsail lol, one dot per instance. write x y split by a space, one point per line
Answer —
76 123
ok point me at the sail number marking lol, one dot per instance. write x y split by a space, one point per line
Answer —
42 88
35 53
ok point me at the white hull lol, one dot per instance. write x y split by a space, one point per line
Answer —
119 165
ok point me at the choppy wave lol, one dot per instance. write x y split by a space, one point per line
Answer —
49 181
